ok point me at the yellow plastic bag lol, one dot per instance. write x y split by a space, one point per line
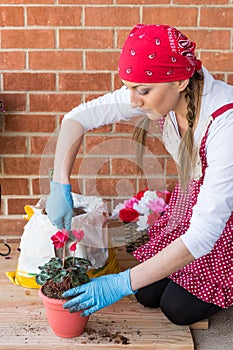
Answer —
111 266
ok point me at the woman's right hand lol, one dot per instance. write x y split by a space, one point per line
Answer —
59 205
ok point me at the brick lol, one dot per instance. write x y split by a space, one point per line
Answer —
55 60
84 81
91 166
1 122
116 16
27 2
155 146
88 2
110 187
122 35
12 60
117 82
33 38
54 16
125 127
171 167
210 39
220 17
43 144
85 38
77 185
171 15
14 186
230 79
89 97
104 129
105 60
29 81
2 206
27 166
218 76
14 102
200 2
11 227
109 145
13 145
152 183
16 205
53 102
153 166
121 166
29 123
217 61
142 2
40 186
128 126
11 16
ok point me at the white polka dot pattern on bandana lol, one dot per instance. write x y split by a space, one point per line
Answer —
157 53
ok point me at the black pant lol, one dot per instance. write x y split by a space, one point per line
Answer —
179 306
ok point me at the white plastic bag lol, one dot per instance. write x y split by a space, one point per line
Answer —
36 247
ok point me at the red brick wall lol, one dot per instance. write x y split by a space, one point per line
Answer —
57 53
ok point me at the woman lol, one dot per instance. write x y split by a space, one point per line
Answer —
186 267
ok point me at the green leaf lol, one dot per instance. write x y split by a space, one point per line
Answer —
40 279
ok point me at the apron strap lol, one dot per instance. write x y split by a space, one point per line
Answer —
221 110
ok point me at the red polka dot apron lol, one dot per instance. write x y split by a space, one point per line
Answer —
210 277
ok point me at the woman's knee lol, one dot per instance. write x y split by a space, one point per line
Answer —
150 295
175 312
184 308
147 300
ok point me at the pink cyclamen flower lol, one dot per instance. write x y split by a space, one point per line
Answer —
60 238
79 234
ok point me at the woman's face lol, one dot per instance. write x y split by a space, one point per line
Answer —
155 99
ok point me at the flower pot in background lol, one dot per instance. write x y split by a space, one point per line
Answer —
63 323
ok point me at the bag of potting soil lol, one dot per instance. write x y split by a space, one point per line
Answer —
36 247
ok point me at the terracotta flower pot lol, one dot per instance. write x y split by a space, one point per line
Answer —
63 323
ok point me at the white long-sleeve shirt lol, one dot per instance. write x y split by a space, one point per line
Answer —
215 200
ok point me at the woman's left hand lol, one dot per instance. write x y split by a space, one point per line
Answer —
98 293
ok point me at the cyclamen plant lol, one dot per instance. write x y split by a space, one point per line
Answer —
61 274
144 208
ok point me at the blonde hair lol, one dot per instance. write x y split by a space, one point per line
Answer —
186 149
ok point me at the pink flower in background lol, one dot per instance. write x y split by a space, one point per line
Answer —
166 195
130 203
157 205
144 208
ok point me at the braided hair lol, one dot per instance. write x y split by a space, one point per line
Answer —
186 150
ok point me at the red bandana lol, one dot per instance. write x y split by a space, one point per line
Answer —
157 54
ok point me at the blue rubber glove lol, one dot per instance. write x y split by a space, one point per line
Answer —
98 293
59 205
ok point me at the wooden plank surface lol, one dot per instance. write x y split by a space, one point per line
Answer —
125 324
